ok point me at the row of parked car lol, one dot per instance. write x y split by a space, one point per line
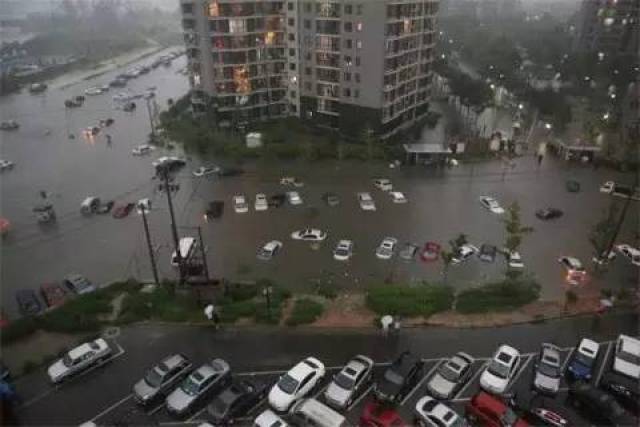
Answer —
184 389
53 294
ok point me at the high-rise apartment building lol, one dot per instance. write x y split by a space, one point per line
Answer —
343 64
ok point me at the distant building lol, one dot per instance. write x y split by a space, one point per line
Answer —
343 64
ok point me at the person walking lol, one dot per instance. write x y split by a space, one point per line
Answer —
212 314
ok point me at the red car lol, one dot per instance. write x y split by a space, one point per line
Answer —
53 294
122 211
489 411
377 414
430 251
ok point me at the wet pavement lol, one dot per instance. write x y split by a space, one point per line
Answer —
442 203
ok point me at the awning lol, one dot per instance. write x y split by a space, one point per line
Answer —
425 148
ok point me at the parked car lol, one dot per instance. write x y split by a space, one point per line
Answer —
502 368
105 207
366 202
575 271
631 253
9 125
277 200
331 199
450 376
261 203
79 284
547 370
205 171
6 165
294 198
582 361
290 180
79 359
123 210
514 260
607 187
380 414
236 401
168 164
626 358
28 302
487 253
430 412
491 204
89 205
623 388
383 184
408 253
463 253
161 378
129 106
268 418
312 412
240 204
349 382
398 197
296 383
490 411
430 251
214 210
399 378
539 410
269 250
598 405
201 383
143 204
548 213
141 150
309 235
53 294
387 248
343 250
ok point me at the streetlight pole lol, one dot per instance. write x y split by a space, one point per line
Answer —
153 128
149 245
164 171
267 291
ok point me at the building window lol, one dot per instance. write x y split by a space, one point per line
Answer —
292 52
290 5
356 93
347 77
348 9
348 43
291 22
214 9
347 61
357 77
307 71
294 108
348 27
307 7
358 44
359 9
307 56
307 85
292 94
359 26
357 61
307 24
237 26
346 92
292 37
292 66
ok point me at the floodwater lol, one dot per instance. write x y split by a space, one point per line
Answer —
442 204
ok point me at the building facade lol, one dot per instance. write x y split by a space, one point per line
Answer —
343 64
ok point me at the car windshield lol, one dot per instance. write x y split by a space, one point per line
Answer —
584 359
548 370
153 378
499 369
67 360
344 381
287 384
447 373
628 357
190 387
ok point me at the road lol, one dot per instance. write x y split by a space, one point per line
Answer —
104 395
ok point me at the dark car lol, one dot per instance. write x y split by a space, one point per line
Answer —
487 253
228 172
625 389
236 400
214 210
105 208
28 302
598 405
79 284
129 106
53 294
539 410
399 378
548 213
123 211
277 200
331 199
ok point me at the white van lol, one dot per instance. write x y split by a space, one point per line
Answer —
311 412
187 246
90 205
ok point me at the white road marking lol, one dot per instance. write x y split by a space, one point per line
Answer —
110 408
471 380
603 364
566 360
156 409
413 390
355 402
520 371
190 419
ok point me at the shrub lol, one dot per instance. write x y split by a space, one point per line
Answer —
159 305
409 301
305 311
79 314
242 292
500 296
327 290
18 329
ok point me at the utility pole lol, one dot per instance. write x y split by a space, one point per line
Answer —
204 256
164 171
625 208
150 246
153 128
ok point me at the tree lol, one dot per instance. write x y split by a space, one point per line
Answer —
603 232
515 231
460 240
447 259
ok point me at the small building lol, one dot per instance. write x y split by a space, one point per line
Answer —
578 150
430 153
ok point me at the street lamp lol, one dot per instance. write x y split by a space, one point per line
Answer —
492 86
520 106
605 116
548 126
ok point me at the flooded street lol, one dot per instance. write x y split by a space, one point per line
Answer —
441 205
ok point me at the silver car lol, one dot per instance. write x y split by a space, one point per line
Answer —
349 382
207 379
450 376
161 378
547 370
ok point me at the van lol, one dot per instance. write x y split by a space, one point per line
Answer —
186 246
311 412
90 205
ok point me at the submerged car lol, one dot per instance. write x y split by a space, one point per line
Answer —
463 253
383 184
53 294
491 204
343 250
366 202
240 204
206 170
78 359
79 284
408 253
161 378
269 250
309 235
386 248
548 213
28 302
331 199
294 198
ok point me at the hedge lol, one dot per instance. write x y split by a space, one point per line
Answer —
407 301
305 311
499 296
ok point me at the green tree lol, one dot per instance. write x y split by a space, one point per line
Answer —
447 259
604 230
514 229
461 239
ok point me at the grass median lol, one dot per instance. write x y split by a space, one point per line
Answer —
422 300
502 296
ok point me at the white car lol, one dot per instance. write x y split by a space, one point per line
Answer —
463 253
141 150
93 90
269 250
268 418
630 252
79 359
387 248
607 187
296 383
547 370
289 180
398 197
501 370
575 270
205 170
343 251
366 202
383 184
143 204
347 384
626 359
492 204
515 260
261 203
6 164
240 204
433 413
309 235
294 198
